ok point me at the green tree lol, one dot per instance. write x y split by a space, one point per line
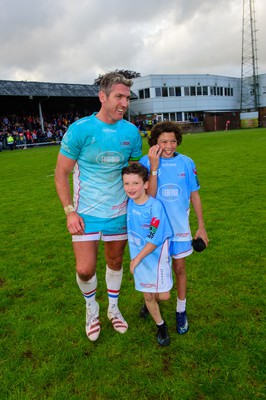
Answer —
127 74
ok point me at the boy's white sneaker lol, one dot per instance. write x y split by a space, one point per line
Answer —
115 316
93 325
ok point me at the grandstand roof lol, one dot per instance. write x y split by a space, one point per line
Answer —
47 89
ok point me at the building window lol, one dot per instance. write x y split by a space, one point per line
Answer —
213 90
158 92
147 93
205 90
192 91
178 91
141 94
188 116
165 91
144 93
179 116
229 91
171 91
172 116
199 90
186 91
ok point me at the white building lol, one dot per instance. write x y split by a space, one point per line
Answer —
189 97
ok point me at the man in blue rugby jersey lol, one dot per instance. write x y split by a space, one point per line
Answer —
97 148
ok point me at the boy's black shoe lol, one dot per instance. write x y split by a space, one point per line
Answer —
181 322
163 337
144 312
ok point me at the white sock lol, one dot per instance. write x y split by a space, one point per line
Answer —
181 305
113 282
88 289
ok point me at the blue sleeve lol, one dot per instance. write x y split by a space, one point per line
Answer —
69 145
137 149
160 227
195 185
145 162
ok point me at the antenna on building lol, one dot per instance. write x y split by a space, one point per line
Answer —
249 99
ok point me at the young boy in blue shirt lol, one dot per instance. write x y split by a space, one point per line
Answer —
174 181
149 234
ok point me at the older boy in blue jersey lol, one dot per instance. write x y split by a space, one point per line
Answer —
149 234
174 181
97 148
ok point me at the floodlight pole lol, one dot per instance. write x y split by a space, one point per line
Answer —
249 98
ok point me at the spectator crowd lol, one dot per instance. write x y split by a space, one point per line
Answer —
20 131
17 131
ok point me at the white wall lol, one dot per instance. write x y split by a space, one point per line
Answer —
170 104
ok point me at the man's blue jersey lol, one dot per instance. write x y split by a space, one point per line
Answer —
177 178
101 151
148 222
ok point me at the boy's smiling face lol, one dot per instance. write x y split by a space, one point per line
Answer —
135 188
168 143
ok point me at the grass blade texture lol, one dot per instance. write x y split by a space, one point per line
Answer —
45 353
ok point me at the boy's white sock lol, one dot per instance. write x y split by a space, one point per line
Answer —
181 305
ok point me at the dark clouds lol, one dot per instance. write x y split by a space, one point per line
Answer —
70 41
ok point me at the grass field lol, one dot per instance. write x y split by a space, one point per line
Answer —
44 350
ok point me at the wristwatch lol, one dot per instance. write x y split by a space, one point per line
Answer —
154 173
69 209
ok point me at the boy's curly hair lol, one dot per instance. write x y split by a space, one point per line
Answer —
162 127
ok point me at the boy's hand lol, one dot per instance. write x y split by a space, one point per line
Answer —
201 232
133 264
154 157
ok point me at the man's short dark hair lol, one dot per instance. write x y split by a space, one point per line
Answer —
113 78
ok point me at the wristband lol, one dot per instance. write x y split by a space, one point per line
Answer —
154 173
69 209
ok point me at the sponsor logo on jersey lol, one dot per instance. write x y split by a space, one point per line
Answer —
169 192
82 120
162 276
125 143
167 164
109 130
148 285
120 206
136 212
109 158
145 226
183 235
65 147
135 240
155 222
153 227
196 176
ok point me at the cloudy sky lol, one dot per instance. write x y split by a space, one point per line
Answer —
73 41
